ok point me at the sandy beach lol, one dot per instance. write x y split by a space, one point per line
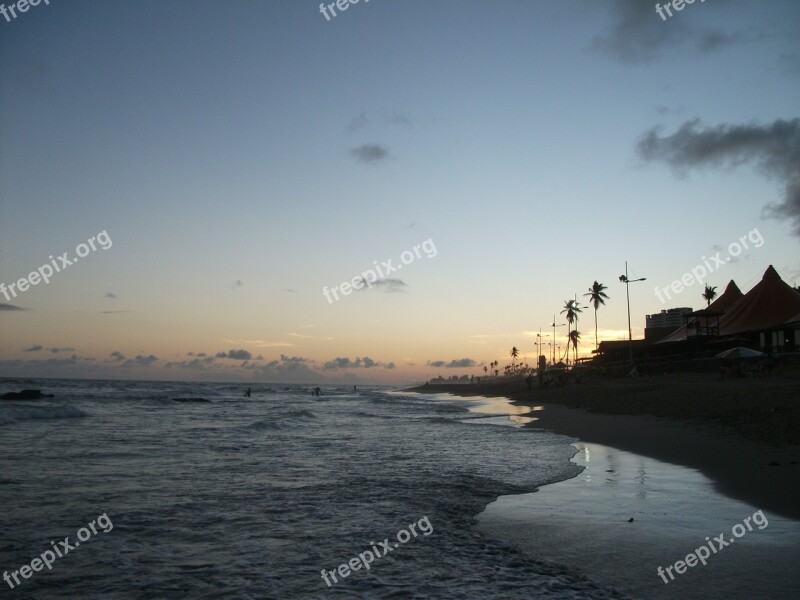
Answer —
743 434
667 461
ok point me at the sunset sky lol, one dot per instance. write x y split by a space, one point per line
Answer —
242 156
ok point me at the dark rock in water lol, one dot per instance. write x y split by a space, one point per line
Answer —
26 395
630 520
191 400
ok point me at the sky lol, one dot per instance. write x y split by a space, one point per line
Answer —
477 164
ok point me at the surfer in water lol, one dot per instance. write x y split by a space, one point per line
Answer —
247 393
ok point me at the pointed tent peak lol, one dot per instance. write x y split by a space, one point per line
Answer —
771 273
732 288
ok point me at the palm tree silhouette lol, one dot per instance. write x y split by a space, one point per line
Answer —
575 337
572 309
709 294
514 354
597 296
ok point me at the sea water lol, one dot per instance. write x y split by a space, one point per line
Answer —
253 497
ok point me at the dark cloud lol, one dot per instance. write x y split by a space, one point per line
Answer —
458 363
773 148
237 284
287 369
637 34
195 364
357 363
111 295
117 356
36 348
141 361
391 365
57 350
369 153
10 307
235 355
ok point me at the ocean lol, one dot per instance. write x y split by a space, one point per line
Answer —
254 497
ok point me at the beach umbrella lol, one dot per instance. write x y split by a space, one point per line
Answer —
740 352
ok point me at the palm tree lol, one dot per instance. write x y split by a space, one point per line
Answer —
709 294
572 309
575 337
597 296
514 354
485 369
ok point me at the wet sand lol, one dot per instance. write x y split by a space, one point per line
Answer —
741 434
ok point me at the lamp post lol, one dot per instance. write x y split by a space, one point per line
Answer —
624 279
554 337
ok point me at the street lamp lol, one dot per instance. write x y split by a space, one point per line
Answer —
624 279
553 324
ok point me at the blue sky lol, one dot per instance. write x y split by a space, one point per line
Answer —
243 155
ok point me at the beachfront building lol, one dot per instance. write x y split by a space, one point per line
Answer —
661 324
761 319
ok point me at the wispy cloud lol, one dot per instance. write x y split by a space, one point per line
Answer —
637 35
10 307
358 123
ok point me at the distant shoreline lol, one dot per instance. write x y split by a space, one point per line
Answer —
743 434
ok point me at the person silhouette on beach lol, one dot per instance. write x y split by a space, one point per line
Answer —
317 391
247 393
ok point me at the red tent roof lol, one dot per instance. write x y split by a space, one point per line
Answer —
729 297
769 304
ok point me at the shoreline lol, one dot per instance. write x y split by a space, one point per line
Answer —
719 428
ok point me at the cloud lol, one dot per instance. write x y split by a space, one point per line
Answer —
141 361
369 153
36 348
286 369
237 284
388 285
774 149
346 363
391 365
111 295
459 363
358 123
199 363
57 350
235 355
10 307
117 356
637 35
